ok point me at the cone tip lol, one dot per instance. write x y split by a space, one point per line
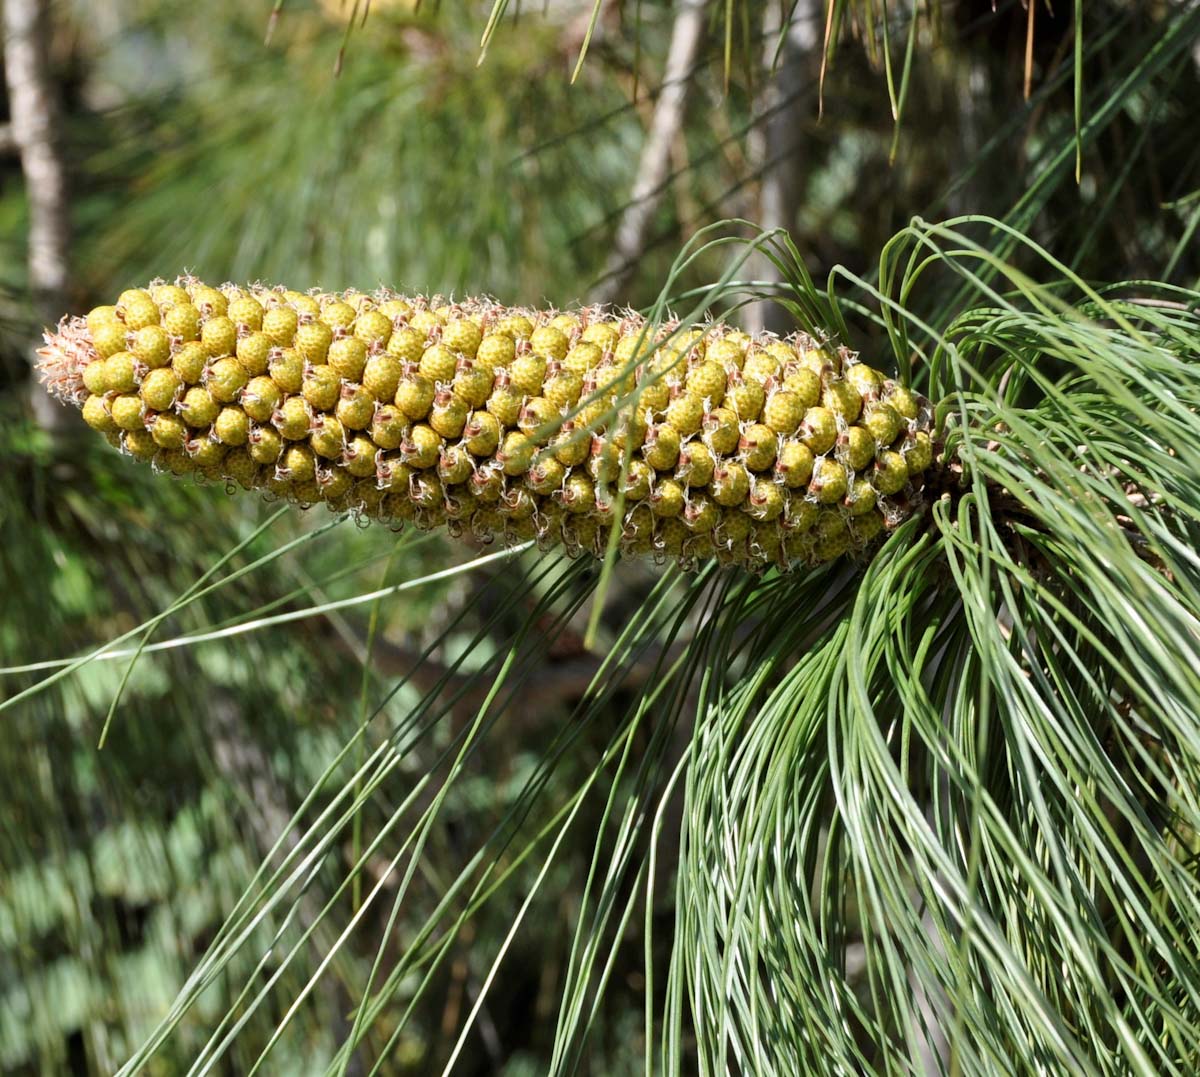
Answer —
60 361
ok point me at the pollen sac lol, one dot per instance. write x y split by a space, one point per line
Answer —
505 423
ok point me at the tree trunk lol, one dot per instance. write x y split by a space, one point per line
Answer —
654 167
775 144
36 134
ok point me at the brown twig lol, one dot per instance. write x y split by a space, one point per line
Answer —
560 683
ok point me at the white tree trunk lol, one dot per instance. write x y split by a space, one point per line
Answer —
35 134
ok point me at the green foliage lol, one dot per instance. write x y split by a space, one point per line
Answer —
964 814
967 763
363 805
118 865
410 167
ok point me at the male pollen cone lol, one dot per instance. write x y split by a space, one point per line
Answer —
513 423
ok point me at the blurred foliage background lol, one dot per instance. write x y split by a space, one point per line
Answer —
350 152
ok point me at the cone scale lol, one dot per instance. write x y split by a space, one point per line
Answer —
507 423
